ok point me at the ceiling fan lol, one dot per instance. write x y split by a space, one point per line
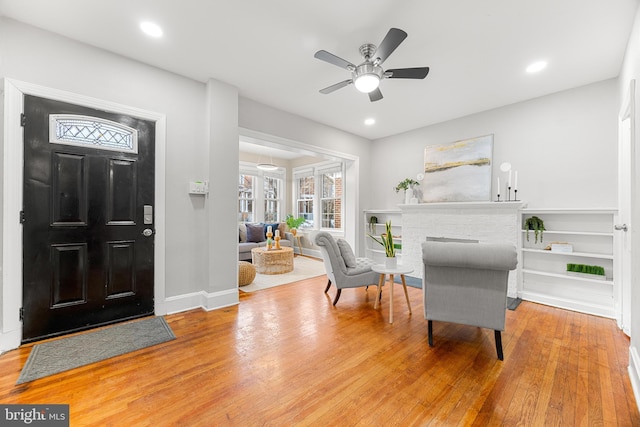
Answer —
366 76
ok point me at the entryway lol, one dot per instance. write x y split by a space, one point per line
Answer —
88 222
12 180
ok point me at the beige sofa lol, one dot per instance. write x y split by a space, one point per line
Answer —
255 237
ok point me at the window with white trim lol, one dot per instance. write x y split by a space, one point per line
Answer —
305 196
319 195
246 200
260 194
272 198
331 200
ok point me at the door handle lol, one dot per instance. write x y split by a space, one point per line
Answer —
622 227
147 232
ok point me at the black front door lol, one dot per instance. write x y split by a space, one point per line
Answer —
88 218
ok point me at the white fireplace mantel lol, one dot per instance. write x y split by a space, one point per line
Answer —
464 205
483 221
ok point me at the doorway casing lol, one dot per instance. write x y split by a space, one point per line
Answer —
12 177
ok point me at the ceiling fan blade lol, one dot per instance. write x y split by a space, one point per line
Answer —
391 41
375 95
408 73
336 86
335 60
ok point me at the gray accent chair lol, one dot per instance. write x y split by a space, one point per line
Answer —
466 283
338 272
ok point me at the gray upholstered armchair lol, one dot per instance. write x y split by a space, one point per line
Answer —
466 283
343 269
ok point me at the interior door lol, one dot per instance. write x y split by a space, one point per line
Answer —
623 227
88 218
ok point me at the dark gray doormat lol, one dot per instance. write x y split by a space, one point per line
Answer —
416 282
72 352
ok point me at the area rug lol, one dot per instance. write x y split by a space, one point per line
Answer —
303 268
79 350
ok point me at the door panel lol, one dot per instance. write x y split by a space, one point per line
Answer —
122 195
121 269
85 260
69 265
69 192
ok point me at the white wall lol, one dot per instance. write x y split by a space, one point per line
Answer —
631 70
563 145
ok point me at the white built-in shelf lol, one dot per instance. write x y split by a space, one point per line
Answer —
372 249
571 233
571 254
567 276
526 212
544 278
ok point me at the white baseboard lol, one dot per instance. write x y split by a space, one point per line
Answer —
315 253
634 373
10 340
216 300
581 307
203 300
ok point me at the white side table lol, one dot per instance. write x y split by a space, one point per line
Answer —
384 271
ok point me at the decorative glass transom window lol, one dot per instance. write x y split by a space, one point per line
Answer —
94 132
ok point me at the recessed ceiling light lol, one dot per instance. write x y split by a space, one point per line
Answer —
151 29
370 121
537 66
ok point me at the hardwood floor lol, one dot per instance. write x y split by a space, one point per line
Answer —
285 356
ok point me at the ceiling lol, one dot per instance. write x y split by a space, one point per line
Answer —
477 50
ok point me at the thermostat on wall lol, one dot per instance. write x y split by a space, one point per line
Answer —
198 187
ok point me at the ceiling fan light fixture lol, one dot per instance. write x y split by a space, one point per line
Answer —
367 77
366 83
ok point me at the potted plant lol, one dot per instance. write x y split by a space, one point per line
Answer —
407 185
373 220
537 225
293 223
591 271
386 240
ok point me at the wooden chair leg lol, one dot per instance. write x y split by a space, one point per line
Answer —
430 329
328 286
335 301
498 336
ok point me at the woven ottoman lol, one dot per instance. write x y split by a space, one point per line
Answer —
246 273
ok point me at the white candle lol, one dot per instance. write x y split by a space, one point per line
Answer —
498 186
277 233
268 229
509 178
515 181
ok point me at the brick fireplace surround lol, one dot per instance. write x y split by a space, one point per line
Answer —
484 221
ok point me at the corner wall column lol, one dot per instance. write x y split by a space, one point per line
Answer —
222 200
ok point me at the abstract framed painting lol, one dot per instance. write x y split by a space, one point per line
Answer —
458 171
